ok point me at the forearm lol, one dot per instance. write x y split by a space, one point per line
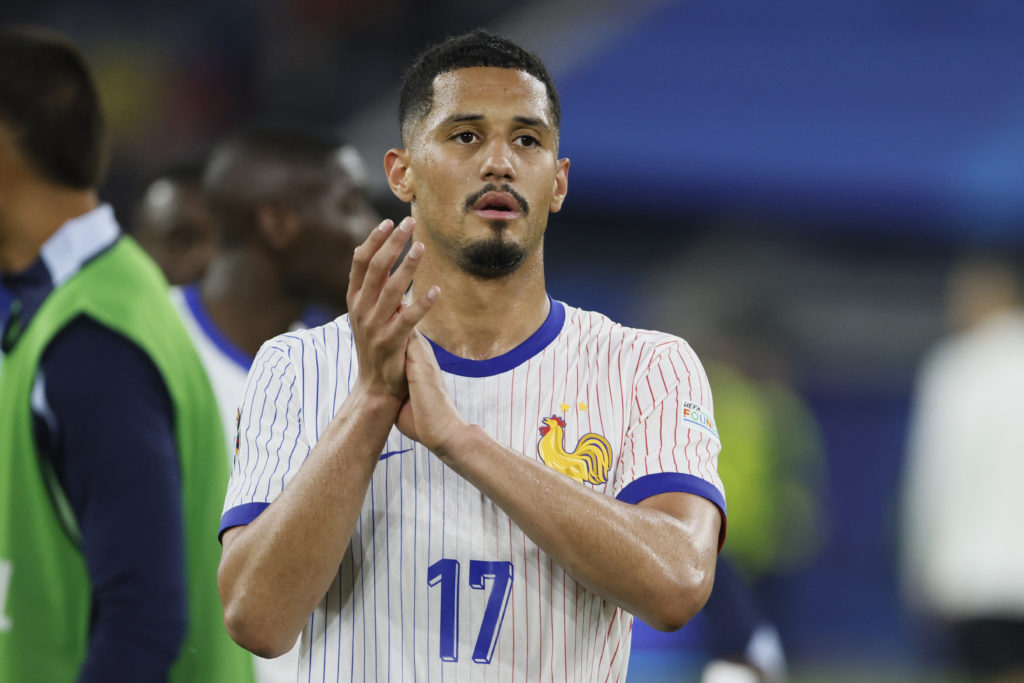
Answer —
275 570
649 562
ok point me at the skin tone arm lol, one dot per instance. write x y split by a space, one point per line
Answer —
655 559
275 570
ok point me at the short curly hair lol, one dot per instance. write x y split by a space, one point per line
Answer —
476 48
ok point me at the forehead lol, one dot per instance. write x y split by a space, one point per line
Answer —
490 92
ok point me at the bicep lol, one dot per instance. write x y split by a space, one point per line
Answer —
228 538
270 444
700 518
669 461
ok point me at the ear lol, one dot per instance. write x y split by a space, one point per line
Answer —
561 183
278 227
400 176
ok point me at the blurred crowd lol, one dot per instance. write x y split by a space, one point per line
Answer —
176 78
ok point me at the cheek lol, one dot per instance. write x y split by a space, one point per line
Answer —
432 201
447 179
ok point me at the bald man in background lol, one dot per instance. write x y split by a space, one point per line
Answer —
171 223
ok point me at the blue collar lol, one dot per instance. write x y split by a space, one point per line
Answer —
213 333
533 345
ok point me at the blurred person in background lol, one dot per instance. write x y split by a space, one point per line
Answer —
776 466
963 548
5 302
172 225
739 639
287 208
109 482
777 460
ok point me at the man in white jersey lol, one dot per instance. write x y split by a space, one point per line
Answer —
469 480
287 206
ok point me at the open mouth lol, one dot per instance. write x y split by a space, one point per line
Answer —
497 205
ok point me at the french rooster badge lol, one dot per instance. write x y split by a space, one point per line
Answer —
588 461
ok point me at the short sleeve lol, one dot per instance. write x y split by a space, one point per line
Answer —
672 443
270 443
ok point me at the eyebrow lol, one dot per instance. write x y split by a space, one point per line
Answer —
524 120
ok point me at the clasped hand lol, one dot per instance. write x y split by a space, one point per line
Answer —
395 361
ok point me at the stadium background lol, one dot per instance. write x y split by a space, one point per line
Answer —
796 173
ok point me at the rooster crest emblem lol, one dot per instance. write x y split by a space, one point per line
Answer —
588 462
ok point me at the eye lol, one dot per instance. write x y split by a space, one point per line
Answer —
528 141
465 137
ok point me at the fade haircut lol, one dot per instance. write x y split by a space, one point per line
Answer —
49 103
264 165
476 48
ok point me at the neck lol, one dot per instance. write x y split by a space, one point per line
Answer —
476 318
35 211
242 294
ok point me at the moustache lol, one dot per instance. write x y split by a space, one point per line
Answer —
524 205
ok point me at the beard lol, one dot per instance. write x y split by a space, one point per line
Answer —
491 258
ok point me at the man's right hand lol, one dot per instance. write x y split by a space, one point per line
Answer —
381 323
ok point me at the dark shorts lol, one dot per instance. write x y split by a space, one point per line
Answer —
989 646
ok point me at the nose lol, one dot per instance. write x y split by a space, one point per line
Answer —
498 163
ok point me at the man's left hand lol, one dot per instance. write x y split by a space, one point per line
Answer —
428 414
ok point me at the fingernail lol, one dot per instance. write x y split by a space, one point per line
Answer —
385 225
416 250
433 292
406 224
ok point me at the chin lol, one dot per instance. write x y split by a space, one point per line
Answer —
492 259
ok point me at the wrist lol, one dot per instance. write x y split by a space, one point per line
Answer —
376 400
461 439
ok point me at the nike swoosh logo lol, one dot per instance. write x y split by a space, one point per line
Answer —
385 456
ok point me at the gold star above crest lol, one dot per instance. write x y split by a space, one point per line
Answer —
565 407
582 405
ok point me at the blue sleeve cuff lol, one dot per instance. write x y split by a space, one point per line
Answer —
240 516
667 482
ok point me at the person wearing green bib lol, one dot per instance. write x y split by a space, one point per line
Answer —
111 449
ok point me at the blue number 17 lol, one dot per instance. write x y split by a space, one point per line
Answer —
446 572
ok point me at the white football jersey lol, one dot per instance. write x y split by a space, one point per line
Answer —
437 582
227 367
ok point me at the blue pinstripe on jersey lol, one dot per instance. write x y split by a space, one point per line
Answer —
265 370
